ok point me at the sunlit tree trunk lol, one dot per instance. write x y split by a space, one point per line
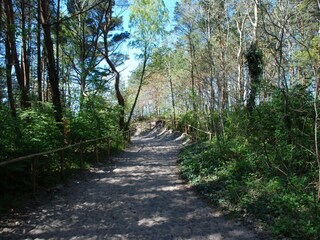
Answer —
240 79
144 64
25 66
172 93
192 72
108 17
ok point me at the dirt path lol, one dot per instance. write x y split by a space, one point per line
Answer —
140 196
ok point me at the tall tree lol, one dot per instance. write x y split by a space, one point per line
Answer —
53 78
83 42
185 16
12 51
110 24
149 19
39 55
8 65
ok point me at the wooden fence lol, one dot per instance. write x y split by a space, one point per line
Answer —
191 130
36 157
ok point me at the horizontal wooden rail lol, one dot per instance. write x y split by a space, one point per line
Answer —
200 130
35 155
188 127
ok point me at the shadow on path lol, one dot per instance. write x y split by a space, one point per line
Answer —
140 196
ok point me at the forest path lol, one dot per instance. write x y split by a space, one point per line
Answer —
139 196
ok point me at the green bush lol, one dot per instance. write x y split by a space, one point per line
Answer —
96 119
39 131
8 135
264 165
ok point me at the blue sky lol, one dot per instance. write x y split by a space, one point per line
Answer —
132 63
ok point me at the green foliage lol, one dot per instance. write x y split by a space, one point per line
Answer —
8 134
261 168
254 57
39 131
190 118
149 19
35 130
97 118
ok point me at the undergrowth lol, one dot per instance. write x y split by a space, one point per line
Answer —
230 175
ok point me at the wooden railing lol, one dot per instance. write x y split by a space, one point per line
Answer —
36 157
191 130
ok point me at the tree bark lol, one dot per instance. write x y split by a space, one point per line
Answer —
58 40
240 81
10 31
316 128
172 98
25 66
108 16
9 80
192 68
39 57
139 89
53 79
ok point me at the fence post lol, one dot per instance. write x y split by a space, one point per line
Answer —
129 136
97 152
62 165
81 157
123 142
108 149
33 174
210 137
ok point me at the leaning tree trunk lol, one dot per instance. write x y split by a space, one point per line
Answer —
108 16
172 100
139 89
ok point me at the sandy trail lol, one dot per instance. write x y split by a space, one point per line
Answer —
140 196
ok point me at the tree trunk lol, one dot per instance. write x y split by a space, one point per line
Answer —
108 16
240 83
58 40
39 58
172 100
13 51
316 129
82 62
53 79
25 66
139 89
9 79
193 92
